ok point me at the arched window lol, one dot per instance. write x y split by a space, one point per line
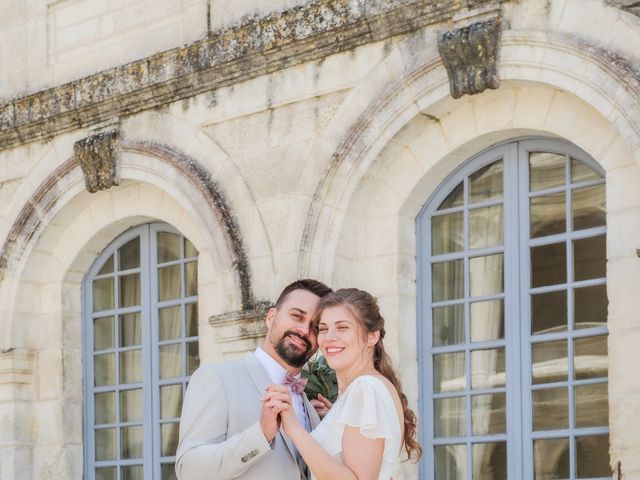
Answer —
513 311
140 348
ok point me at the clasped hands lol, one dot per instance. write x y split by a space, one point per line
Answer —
277 410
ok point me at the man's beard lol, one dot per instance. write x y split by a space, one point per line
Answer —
290 354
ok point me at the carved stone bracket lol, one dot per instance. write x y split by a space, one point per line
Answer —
470 55
242 330
97 155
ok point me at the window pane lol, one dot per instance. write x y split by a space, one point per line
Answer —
103 333
450 417
131 442
591 357
131 405
551 459
485 227
189 250
486 183
448 280
549 312
588 206
130 366
548 264
103 294
549 362
592 456
131 472
129 290
191 279
168 247
169 283
489 414
448 325
454 199
105 444
169 433
548 215
487 320
170 322
130 329
105 408
592 405
193 357
486 274
487 368
106 473
490 461
451 462
581 172
546 170
447 233
170 401
107 267
169 471
104 369
448 372
171 361
589 258
129 255
590 306
192 319
550 409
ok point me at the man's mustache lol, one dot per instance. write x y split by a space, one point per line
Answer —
305 340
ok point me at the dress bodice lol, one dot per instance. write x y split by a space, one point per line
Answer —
368 405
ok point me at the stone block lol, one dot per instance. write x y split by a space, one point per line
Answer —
622 191
47 422
48 374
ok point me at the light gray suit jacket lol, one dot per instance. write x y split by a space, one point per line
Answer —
220 434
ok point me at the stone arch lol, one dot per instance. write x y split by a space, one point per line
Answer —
607 83
185 194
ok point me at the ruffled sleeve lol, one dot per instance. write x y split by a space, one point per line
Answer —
368 405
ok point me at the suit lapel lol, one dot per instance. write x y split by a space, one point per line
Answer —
261 380
314 418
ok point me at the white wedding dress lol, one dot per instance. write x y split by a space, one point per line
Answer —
368 405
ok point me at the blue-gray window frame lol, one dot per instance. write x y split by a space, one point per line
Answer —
516 244
152 442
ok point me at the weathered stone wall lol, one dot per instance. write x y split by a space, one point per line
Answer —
308 141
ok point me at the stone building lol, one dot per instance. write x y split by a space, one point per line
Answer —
167 166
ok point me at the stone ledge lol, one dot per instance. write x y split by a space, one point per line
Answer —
240 325
258 46
16 366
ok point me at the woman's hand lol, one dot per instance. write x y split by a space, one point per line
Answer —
322 405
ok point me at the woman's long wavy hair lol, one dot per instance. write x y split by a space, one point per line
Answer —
364 308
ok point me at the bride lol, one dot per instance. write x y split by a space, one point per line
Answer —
363 433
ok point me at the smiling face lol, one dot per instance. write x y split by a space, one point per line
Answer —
342 340
290 337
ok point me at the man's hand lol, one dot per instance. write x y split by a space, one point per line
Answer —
322 405
273 402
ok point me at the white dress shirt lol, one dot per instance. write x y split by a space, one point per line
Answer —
277 374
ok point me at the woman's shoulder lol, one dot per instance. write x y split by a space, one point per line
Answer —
373 383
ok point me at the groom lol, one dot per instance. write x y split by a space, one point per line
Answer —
225 432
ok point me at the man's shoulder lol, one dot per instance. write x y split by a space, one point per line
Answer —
223 369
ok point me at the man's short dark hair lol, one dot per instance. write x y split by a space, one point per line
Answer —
308 284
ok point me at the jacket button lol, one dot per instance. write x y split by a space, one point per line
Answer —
249 456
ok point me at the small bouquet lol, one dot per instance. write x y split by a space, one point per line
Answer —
321 379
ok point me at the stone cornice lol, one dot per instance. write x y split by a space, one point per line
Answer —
16 366
256 47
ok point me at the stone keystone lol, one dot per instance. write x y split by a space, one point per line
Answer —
470 55
98 155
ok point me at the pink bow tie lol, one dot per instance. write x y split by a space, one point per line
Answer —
296 384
